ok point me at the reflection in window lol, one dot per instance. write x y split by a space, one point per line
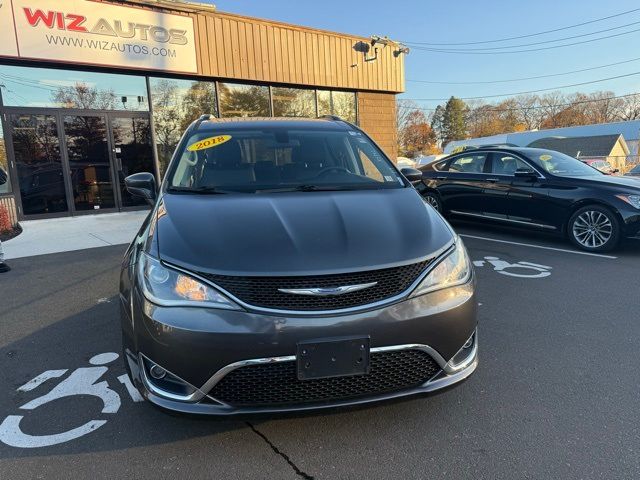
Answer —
89 163
243 100
293 102
4 164
324 103
39 164
177 103
49 88
342 104
132 144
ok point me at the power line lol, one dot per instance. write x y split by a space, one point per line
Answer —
529 91
473 52
537 107
529 35
538 43
525 78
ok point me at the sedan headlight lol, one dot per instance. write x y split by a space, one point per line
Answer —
454 269
170 288
633 200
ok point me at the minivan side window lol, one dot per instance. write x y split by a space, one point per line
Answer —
472 163
506 164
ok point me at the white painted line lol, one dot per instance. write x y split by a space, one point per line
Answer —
538 246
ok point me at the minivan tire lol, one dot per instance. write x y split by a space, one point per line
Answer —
594 228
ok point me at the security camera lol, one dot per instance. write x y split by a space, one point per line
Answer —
377 40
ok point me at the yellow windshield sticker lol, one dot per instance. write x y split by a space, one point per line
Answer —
208 143
545 158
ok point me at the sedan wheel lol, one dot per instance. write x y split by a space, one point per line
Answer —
594 228
433 201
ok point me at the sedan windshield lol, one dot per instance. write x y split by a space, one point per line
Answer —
281 159
561 165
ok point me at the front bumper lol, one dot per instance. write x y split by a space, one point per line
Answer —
201 346
631 220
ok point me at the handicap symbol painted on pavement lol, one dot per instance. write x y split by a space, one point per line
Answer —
82 381
519 269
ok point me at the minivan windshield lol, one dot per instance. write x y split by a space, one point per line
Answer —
562 165
280 159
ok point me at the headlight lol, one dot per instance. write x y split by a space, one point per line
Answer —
633 200
454 269
170 288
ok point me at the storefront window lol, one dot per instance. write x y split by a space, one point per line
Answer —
342 104
243 100
4 164
49 88
177 103
293 102
324 102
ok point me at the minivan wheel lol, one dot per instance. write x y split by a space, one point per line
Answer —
433 200
594 228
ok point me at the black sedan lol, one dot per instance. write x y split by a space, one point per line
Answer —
535 188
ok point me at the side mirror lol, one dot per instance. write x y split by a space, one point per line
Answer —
411 174
3 177
142 185
525 173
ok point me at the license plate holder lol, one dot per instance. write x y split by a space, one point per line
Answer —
333 357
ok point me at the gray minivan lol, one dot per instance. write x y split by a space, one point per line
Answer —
288 265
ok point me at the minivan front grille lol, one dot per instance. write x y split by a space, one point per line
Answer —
277 384
265 292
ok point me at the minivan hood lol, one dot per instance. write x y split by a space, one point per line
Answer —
298 233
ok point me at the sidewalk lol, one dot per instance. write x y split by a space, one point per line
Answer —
40 237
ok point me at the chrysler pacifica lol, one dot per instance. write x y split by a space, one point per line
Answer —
287 264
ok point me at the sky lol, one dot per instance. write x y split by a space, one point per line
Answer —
458 21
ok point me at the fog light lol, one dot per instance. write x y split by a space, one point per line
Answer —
157 372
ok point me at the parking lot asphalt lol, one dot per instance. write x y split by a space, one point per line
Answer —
555 395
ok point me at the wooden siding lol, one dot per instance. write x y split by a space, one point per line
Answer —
232 46
235 47
377 117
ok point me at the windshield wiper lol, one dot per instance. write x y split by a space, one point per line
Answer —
201 190
308 188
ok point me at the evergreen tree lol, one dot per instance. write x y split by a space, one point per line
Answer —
454 123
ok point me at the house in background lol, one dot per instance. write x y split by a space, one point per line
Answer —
610 148
629 130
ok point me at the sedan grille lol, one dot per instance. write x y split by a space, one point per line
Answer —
277 384
265 291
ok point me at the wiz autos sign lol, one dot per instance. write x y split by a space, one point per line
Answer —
98 33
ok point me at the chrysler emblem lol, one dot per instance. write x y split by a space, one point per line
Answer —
325 292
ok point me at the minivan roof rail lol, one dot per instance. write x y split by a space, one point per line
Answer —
203 118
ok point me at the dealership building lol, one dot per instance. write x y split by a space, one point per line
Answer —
91 92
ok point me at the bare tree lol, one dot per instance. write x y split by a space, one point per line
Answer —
531 115
629 108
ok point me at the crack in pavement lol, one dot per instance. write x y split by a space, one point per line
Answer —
277 451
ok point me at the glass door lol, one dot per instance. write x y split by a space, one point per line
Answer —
90 169
41 179
132 152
